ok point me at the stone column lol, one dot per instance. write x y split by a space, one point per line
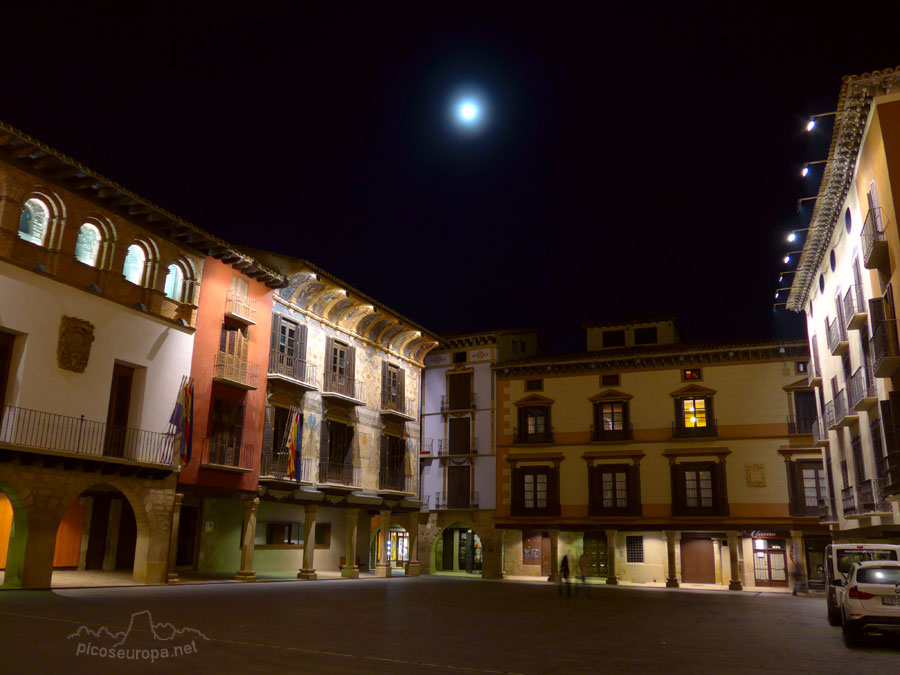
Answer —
351 569
383 566
672 578
612 579
412 569
172 575
112 535
800 560
246 573
308 571
735 583
554 556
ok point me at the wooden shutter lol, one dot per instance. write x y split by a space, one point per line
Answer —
548 425
269 430
329 356
720 489
635 508
223 338
460 434
594 494
348 444
522 431
678 494
275 340
301 342
553 491
383 464
385 383
516 492
887 422
401 390
351 363
794 500
323 440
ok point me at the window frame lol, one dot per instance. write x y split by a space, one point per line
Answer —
45 226
687 374
596 505
523 435
95 249
519 480
718 488
602 434
634 539
611 380
797 487
709 428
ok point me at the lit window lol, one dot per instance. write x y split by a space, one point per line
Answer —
33 221
694 412
536 491
87 245
612 416
691 374
133 270
174 288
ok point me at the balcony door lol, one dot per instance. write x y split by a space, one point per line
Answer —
805 402
458 486
6 345
117 413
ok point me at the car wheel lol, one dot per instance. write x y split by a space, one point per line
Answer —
853 635
834 616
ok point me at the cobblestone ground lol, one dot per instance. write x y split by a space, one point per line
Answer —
423 625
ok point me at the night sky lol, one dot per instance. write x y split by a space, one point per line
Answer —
635 160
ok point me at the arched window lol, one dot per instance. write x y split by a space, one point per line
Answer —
88 244
33 221
134 264
174 288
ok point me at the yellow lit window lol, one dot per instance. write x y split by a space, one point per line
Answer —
694 412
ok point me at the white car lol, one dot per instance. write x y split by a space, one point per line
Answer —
870 602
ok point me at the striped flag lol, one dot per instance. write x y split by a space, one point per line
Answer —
291 443
187 435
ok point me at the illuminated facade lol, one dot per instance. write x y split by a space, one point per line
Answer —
649 460
845 285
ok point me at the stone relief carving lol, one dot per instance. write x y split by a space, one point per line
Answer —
74 347
756 475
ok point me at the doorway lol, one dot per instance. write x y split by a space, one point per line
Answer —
112 533
596 553
770 562
458 486
188 527
815 562
117 414
698 562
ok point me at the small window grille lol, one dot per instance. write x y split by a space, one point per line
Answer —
634 549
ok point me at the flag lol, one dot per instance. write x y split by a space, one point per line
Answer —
187 422
290 443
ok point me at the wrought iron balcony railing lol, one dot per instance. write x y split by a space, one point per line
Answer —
865 497
445 448
802 424
396 481
813 372
522 435
235 371
884 348
863 392
889 472
710 429
626 433
848 501
336 383
442 501
397 404
873 239
855 310
239 306
818 432
340 473
39 430
225 450
830 422
448 403
837 337
276 465
827 510
292 368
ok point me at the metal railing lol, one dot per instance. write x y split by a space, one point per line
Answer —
813 372
836 334
275 465
227 451
233 369
427 446
681 431
827 510
346 386
340 473
521 435
404 406
854 303
445 448
441 502
829 415
802 424
292 367
872 234
818 432
884 343
861 387
396 481
889 472
38 430
848 501
445 403
240 306
841 409
865 496
624 434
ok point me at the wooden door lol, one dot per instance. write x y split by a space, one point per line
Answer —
531 548
698 564
6 518
596 554
459 433
458 487
117 413
6 345
815 562
68 536
545 554
188 523
460 391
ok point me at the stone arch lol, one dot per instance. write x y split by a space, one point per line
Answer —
53 232
17 536
108 238
398 525
438 543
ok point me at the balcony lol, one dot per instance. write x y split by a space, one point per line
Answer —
44 432
820 436
442 502
603 435
848 502
874 242
274 466
827 511
889 472
801 425
342 389
240 308
340 474
863 392
451 404
226 452
403 409
838 413
294 371
855 311
521 436
814 373
447 448
427 448
235 371
865 497
884 348
396 481
710 430
837 338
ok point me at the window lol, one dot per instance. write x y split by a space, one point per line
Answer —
336 453
338 358
226 431
135 259
459 430
534 424
291 534
646 336
613 338
535 491
699 489
801 367
806 480
848 221
33 221
391 384
694 417
609 380
459 357
693 412
534 385
611 421
240 286
691 374
613 489
459 392
88 245
634 549
174 288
